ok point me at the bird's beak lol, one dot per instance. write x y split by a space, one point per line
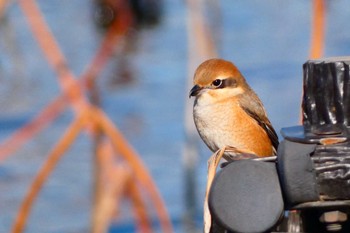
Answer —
195 90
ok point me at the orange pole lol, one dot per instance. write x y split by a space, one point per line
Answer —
53 158
318 29
116 30
113 183
38 123
52 110
75 93
53 54
141 173
143 224
57 60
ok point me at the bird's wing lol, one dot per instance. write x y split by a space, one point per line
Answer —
255 109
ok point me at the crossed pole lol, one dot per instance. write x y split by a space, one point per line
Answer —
116 160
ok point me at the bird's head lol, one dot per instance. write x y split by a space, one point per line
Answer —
218 79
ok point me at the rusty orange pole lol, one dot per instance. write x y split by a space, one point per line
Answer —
73 90
53 158
53 54
318 29
38 123
56 107
141 173
143 223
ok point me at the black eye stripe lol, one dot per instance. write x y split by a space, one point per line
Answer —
229 82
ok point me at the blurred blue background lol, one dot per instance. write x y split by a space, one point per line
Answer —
144 90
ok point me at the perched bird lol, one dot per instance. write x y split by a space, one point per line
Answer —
227 112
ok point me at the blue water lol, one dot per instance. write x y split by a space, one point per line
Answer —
143 90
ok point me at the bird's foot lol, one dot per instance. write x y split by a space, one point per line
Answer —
232 153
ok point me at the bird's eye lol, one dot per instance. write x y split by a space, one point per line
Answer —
217 82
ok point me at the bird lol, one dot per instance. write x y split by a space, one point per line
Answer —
228 113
